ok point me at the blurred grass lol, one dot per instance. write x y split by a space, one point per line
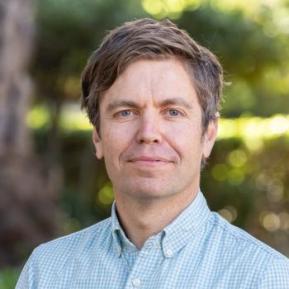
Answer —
8 278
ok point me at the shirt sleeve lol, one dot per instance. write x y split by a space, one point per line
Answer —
276 276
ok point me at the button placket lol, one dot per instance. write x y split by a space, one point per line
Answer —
168 253
136 282
144 265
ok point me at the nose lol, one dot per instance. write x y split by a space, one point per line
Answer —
149 129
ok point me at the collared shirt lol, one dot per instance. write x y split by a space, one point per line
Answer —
199 249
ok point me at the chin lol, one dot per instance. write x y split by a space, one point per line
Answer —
148 192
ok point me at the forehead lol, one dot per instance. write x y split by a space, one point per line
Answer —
156 79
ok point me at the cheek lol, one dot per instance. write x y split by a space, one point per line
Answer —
115 139
185 139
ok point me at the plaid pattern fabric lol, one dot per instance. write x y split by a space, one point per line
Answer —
199 249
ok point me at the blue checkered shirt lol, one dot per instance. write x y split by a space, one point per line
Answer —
199 249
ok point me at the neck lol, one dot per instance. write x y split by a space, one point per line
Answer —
141 219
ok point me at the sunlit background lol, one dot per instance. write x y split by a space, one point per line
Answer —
54 185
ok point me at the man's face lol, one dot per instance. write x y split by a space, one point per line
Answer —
151 136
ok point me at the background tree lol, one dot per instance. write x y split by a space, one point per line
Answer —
27 189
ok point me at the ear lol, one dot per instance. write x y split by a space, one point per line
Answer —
97 144
209 137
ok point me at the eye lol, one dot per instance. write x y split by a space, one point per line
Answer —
124 114
173 112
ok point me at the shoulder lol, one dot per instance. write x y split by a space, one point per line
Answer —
276 275
248 253
73 245
234 236
51 262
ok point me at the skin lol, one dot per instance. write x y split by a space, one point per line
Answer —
152 142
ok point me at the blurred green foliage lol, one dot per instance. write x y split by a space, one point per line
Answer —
251 41
68 31
8 278
247 176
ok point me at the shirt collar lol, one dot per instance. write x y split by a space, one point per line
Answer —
174 236
189 223
117 232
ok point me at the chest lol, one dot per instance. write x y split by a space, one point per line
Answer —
151 269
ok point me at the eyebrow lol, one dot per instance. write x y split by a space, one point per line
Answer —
132 104
121 103
176 101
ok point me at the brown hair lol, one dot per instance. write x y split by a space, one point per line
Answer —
151 39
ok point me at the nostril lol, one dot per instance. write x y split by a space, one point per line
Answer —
148 135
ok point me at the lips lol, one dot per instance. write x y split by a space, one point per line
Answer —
149 160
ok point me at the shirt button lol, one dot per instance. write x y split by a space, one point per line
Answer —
136 282
169 253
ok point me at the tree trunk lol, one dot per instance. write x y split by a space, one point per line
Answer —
28 214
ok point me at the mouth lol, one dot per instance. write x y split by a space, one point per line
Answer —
149 161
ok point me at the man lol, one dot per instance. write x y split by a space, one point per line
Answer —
152 95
